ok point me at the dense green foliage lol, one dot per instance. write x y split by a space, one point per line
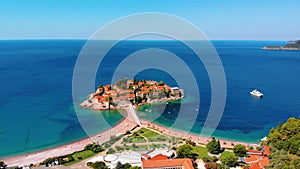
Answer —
97 165
186 151
284 143
161 83
229 161
240 150
214 146
96 148
126 166
286 136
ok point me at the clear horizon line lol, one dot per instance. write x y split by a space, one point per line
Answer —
144 39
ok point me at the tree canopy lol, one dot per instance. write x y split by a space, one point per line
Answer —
284 143
186 151
230 161
214 146
286 136
97 165
240 150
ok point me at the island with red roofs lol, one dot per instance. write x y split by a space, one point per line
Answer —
136 92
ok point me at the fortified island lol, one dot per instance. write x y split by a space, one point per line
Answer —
137 92
292 45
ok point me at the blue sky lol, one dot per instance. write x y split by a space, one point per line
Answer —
218 19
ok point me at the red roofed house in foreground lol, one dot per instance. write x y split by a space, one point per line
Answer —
184 163
258 159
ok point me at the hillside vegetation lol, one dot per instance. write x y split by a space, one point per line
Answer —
284 142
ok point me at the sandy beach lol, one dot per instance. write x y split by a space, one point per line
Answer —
37 157
127 124
193 137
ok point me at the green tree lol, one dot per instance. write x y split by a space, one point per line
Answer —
138 99
284 144
286 136
135 167
48 160
135 81
98 165
207 158
96 148
229 161
240 150
160 83
214 146
111 151
122 166
186 151
279 159
110 102
70 158
88 147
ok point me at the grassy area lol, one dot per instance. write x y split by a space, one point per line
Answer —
81 155
201 151
151 135
135 147
134 139
226 154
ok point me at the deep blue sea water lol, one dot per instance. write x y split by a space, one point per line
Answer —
36 108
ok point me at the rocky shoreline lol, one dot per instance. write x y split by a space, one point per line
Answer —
292 45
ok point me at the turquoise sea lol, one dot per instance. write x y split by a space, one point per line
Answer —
36 108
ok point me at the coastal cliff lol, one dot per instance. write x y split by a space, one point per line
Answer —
294 45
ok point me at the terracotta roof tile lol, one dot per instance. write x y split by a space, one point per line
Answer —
185 163
160 157
266 150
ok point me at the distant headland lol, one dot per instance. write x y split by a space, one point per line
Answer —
292 45
137 92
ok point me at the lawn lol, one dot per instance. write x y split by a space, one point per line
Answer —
151 135
134 139
201 151
81 155
226 154
145 147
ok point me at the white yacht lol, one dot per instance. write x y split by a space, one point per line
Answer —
257 93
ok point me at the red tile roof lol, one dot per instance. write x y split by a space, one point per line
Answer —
160 87
265 161
127 91
160 157
145 88
266 150
255 166
257 162
130 95
141 83
186 163
254 152
252 158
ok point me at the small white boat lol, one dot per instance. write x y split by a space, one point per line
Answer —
256 93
